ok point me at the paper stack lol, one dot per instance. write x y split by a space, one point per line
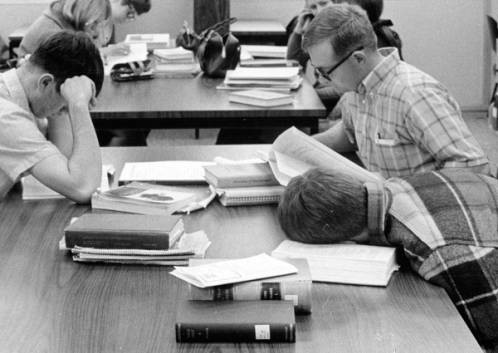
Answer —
176 62
267 78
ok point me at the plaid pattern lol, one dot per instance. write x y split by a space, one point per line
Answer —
447 223
404 122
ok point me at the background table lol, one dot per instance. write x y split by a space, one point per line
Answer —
51 304
196 103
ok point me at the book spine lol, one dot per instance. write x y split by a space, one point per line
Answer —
108 240
245 182
299 292
230 332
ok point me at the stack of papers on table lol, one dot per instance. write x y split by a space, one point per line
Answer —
344 262
277 78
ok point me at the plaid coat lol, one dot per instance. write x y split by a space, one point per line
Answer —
447 224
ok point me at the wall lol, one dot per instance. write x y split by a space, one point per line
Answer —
446 38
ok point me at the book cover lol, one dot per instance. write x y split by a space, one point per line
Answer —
344 262
294 287
260 98
123 231
250 195
263 73
142 198
239 175
242 321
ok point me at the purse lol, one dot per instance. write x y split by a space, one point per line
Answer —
132 71
216 49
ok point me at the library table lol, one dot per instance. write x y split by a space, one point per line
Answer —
51 304
165 103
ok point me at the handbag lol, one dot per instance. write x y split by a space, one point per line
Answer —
132 71
216 49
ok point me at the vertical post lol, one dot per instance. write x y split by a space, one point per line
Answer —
208 12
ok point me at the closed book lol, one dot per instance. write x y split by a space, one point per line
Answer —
142 198
251 195
243 321
294 287
260 98
239 175
124 231
263 73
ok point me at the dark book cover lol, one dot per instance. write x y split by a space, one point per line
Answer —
124 231
240 175
241 321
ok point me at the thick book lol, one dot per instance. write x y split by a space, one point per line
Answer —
261 98
142 198
266 51
294 287
343 262
251 195
239 175
124 231
242 321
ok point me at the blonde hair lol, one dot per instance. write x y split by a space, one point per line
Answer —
80 13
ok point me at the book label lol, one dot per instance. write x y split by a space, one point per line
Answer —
271 291
262 332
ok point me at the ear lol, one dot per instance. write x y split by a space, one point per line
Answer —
45 81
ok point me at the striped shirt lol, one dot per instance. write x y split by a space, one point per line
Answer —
403 122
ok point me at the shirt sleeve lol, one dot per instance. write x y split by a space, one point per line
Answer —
434 121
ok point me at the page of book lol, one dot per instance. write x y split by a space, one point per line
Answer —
164 171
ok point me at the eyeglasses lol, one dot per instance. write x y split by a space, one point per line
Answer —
132 12
320 71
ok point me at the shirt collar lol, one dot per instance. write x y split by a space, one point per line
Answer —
378 74
15 89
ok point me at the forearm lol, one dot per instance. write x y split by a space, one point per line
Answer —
60 133
295 51
335 138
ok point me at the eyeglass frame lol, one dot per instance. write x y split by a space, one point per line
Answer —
326 74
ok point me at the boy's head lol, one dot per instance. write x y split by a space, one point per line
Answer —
128 10
323 206
340 41
63 55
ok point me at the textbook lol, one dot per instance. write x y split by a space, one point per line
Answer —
242 321
120 231
251 195
261 98
239 175
293 153
265 51
294 287
262 74
178 54
142 198
234 271
152 40
167 172
343 262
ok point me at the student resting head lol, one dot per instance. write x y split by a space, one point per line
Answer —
128 10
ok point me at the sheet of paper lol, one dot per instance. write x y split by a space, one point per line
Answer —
165 171
233 271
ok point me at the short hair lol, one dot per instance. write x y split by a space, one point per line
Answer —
67 54
140 6
323 206
373 8
80 13
346 27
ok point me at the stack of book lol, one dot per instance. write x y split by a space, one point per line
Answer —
132 239
344 262
241 184
268 78
176 62
243 300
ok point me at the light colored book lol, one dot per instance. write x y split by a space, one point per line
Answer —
151 40
266 51
261 98
343 262
234 271
173 172
251 195
175 54
262 74
293 153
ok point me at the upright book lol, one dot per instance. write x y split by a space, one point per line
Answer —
293 287
240 175
344 262
261 98
124 231
243 321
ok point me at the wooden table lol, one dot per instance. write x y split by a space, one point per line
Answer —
51 304
196 103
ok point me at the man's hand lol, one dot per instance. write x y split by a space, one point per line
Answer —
78 90
303 20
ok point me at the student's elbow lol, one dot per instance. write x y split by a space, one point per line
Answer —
82 194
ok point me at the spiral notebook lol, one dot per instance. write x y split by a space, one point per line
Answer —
257 195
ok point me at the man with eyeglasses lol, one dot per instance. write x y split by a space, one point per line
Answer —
400 120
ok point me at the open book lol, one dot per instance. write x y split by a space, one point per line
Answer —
293 153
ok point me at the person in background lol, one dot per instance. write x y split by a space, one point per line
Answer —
45 124
399 119
92 17
444 222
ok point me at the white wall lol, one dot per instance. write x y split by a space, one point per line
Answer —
445 38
